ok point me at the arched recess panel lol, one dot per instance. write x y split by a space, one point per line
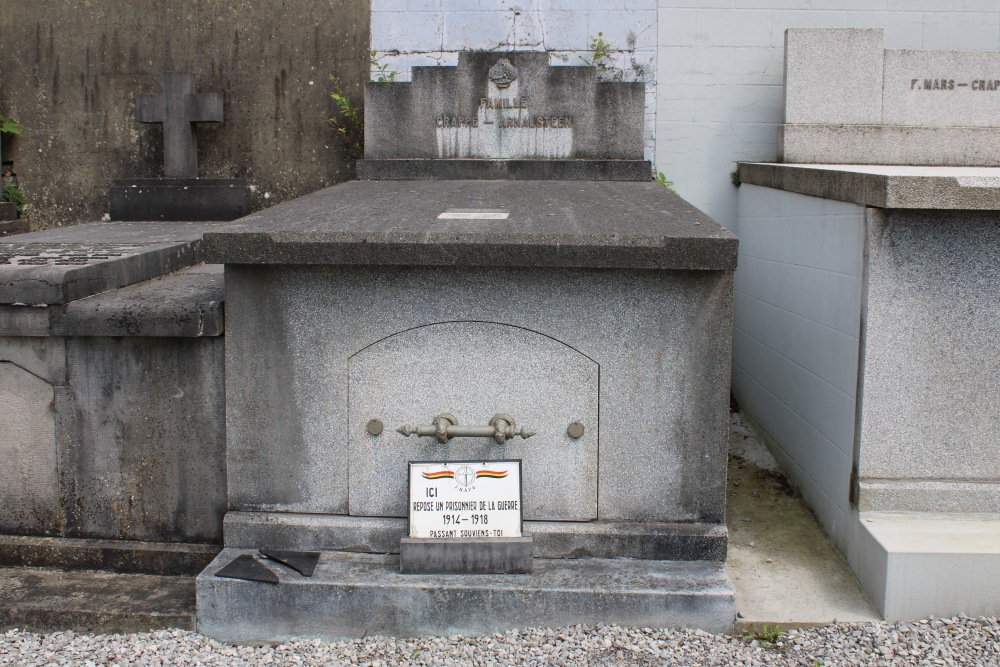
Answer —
474 370
29 470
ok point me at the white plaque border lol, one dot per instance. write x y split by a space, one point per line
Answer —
520 487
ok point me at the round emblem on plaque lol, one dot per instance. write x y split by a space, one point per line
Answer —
503 73
465 476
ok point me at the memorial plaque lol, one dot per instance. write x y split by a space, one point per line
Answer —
465 499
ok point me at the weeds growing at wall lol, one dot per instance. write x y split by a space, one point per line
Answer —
348 123
599 50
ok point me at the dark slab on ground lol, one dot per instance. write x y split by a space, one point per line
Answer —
550 223
179 199
42 600
123 556
61 265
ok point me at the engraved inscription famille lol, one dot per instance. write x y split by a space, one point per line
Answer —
952 84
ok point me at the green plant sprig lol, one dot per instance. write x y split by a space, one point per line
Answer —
599 50
11 193
349 123
8 125
384 73
661 178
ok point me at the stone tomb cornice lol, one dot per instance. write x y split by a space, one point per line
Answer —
883 186
589 224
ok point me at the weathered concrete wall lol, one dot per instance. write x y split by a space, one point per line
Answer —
73 70
114 438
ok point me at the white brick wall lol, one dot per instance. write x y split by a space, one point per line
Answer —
797 312
432 32
720 65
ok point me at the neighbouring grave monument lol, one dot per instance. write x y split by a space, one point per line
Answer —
489 384
111 389
179 194
867 345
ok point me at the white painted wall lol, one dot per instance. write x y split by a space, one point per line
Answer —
432 32
720 66
797 316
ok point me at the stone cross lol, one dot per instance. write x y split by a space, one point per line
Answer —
179 108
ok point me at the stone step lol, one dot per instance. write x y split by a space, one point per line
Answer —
124 556
354 595
48 600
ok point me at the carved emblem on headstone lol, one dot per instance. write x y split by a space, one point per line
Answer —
503 73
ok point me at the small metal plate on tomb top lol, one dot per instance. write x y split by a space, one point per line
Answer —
375 427
575 430
474 214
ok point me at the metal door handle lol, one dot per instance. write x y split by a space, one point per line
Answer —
445 427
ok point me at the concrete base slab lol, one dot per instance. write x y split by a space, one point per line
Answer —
785 570
352 595
125 556
915 565
97 602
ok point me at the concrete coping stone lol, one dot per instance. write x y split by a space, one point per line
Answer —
184 304
884 186
58 266
481 223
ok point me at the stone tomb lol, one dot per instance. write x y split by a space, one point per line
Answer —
592 315
867 312
111 398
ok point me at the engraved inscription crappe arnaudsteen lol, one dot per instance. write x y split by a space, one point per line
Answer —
504 125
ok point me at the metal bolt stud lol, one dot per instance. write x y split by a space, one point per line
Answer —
575 430
375 426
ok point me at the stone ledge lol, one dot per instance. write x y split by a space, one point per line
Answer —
887 144
552 539
483 169
352 595
122 556
184 304
125 253
914 565
883 186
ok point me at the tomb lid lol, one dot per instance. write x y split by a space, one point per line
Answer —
62 265
481 223
500 115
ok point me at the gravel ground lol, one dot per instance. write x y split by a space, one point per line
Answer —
951 641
